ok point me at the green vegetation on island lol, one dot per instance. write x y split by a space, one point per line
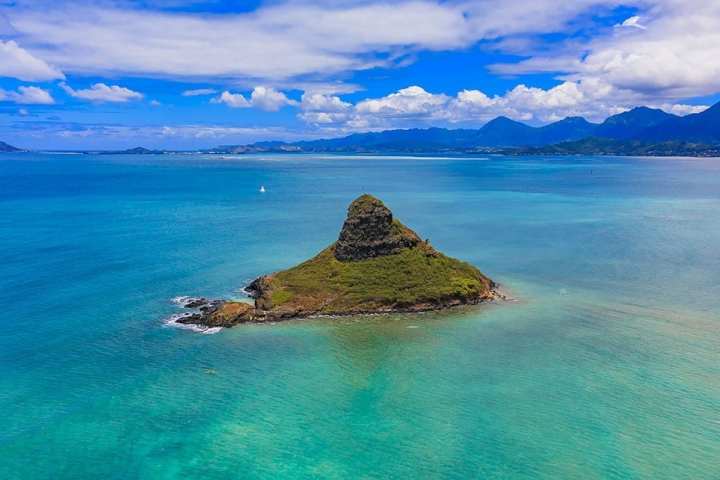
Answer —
416 278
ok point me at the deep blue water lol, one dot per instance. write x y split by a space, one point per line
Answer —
607 366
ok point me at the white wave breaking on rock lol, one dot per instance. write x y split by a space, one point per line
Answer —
173 321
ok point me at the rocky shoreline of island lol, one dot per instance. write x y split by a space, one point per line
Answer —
218 313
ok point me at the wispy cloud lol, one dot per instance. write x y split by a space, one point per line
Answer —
220 132
199 92
279 41
59 134
632 22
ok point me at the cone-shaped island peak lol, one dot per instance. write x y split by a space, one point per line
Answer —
377 265
370 231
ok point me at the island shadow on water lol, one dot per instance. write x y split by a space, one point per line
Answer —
377 266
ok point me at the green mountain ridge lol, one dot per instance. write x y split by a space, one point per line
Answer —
4 147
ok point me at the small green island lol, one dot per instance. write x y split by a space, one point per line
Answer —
377 265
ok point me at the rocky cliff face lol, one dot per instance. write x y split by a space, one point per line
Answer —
370 231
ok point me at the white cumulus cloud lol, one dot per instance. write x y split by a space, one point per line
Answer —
27 96
101 92
673 54
269 99
414 106
408 101
263 98
318 102
17 62
234 100
321 109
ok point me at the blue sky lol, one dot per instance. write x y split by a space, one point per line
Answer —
187 74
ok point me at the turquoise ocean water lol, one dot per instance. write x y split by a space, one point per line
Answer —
607 366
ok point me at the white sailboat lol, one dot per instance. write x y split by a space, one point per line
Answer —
262 188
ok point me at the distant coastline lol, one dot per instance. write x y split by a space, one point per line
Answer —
641 131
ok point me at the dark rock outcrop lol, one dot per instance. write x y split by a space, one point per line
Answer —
219 313
191 302
369 231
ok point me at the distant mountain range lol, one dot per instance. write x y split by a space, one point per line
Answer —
640 131
4 147
633 132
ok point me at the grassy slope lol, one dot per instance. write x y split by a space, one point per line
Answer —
414 276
